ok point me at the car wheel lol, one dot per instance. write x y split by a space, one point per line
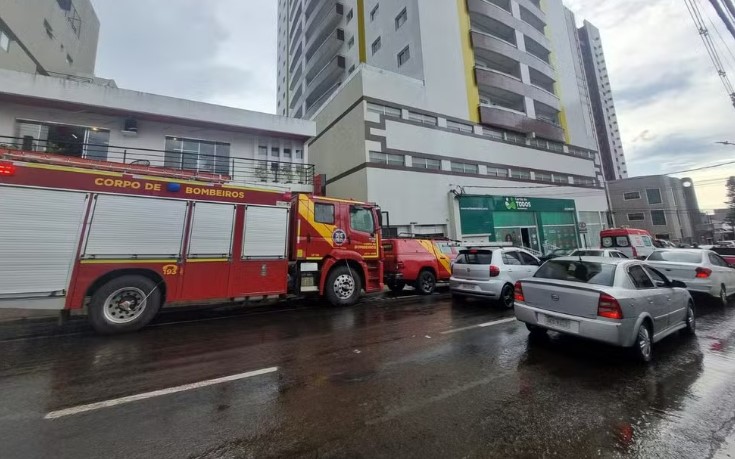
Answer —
507 297
723 295
426 283
643 347
535 330
691 321
396 286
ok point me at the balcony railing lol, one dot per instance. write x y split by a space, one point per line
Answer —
162 163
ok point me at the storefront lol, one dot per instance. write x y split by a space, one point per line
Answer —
537 223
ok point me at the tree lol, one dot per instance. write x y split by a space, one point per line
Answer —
731 203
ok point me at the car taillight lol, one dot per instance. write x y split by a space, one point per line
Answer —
703 273
7 169
609 307
494 271
519 292
635 252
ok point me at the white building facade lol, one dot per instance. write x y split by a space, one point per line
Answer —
444 111
102 123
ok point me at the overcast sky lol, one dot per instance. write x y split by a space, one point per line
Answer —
671 105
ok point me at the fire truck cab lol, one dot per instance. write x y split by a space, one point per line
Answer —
122 241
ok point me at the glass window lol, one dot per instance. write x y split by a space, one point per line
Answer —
275 152
717 260
421 118
404 56
465 168
455 126
528 259
299 154
560 178
522 175
586 272
374 12
324 213
658 217
543 177
657 277
361 219
351 42
350 15
383 110
654 196
636 217
497 172
376 45
287 153
4 41
386 158
263 151
640 278
426 163
197 155
401 18
632 195
512 258
474 257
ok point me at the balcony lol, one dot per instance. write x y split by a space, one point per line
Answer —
533 7
519 122
490 18
325 79
322 52
493 79
484 42
538 50
138 161
323 22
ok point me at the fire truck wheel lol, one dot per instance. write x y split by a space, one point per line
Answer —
343 286
426 283
124 304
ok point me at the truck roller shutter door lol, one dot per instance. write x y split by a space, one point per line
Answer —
135 227
211 230
39 236
266 231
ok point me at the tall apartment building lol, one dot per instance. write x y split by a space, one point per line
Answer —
49 37
606 120
425 105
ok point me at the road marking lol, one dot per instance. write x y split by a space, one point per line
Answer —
486 324
156 393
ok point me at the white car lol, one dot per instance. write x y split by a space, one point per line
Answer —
605 253
491 273
703 271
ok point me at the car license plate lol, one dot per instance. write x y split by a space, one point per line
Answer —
555 322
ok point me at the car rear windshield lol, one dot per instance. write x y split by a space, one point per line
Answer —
588 253
475 257
676 256
585 272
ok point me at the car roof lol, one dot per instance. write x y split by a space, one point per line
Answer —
672 249
603 260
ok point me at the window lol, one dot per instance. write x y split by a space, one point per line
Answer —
676 256
404 56
654 196
657 277
658 217
352 68
351 42
632 195
49 29
376 45
512 258
640 278
64 139
350 14
560 179
197 155
299 154
636 217
718 260
426 163
287 153
374 12
521 175
401 18
425 119
386 158
383 110
461 127
586 272
361 219
528 260
324 213
543 177
465 168
4 41
69 60
262 151
497 172
474 257
275 152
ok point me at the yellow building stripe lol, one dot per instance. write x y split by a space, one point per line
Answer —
127 261
361 30
473 92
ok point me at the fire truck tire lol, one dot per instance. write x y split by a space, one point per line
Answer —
343 286
426 283
124 304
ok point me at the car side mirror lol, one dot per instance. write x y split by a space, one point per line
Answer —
678 284
661 284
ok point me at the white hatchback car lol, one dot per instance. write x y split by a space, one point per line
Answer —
491 273
605 253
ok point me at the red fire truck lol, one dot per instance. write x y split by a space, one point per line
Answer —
123 241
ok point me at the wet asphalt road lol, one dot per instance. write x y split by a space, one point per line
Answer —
413 377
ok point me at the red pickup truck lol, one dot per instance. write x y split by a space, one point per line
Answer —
728 253
420 263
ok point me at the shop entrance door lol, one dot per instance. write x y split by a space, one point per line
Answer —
529 236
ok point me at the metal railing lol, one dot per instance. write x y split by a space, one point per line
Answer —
182 164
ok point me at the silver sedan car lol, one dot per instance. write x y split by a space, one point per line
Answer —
621 302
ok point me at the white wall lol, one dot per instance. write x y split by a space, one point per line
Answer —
394 41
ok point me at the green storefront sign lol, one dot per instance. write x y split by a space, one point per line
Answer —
536 223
